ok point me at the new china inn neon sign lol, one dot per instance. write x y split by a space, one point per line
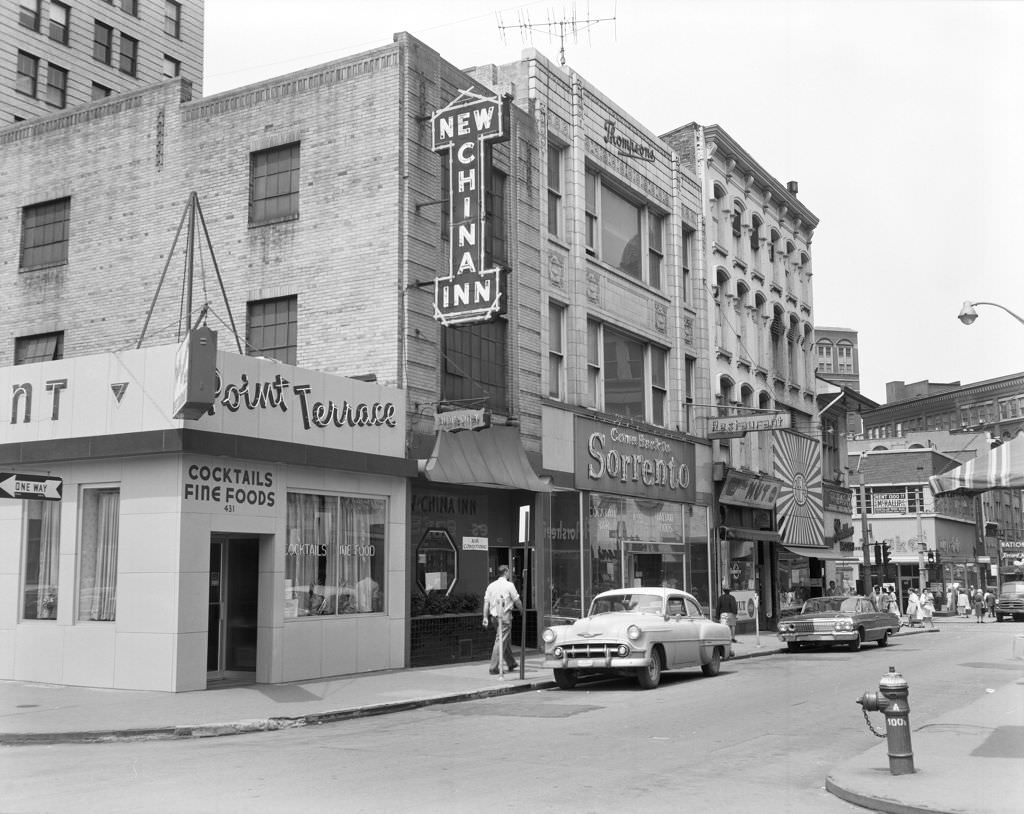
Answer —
469 293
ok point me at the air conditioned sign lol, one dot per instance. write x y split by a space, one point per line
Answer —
470 292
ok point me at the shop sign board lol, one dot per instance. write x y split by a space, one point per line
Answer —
263 399
457 420
625 460
469 292
740 489
728 426
474 543
888 502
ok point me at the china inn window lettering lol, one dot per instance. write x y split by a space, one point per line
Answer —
334 555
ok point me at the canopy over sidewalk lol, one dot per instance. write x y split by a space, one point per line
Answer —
1001 467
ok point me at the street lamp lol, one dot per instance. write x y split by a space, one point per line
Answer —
968 314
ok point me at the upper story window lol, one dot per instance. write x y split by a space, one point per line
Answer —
627 376
825 363
556 350
274 185
619 231
129 56
102 42
555 205
655 250
44 234
130 6
60 22
172 67
686 261
39 348
844 357
272 329
496 233
172 18
756 228
99 91
475 366
56 86
737 230
28 74
28 14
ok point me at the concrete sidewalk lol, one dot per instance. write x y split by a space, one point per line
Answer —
970 760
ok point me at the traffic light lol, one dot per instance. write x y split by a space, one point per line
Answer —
931 557
878 553
886 553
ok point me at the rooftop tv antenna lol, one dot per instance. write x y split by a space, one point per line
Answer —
567 25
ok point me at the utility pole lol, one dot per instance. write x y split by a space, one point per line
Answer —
865 533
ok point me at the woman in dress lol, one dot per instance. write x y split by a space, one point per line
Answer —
928 608
963 604
979 606
913 608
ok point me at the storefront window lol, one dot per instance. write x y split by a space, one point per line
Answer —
564 550
436 562
636 542
41 546
97 581
334 560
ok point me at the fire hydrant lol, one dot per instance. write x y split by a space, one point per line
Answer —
892 700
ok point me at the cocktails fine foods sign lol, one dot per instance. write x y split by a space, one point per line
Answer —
469 292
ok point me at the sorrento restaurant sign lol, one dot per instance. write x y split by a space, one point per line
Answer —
469 293
624 460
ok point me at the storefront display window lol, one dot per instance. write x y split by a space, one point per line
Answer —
41 559
334 560
639 542
97 581
565 566
436 562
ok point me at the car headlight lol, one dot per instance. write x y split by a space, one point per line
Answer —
788 627
844 624
633 632
548 635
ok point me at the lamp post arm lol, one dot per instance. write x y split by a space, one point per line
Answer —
1017 317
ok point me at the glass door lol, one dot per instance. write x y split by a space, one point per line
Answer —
233 601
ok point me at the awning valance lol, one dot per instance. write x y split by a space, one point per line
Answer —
492 458
735 533
1000 468
819 553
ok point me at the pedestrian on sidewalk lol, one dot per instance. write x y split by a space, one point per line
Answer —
979 606
892 605
500 598
726 611
990 603
963 604
913 608
928 608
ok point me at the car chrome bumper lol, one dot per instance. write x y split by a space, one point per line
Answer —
596 663
824 638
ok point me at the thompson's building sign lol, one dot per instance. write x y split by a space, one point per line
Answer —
469 293
624 460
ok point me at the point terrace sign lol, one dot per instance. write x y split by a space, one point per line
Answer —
469 293
133 391
625 460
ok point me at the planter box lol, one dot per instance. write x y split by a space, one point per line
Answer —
458 637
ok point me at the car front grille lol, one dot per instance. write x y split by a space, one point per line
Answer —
815 626
590 650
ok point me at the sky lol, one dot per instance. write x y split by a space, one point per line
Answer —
901 120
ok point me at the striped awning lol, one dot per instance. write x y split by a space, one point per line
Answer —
1001 467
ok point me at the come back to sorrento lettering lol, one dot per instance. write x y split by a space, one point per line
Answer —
635 467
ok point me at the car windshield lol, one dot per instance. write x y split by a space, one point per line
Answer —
626 603
824 604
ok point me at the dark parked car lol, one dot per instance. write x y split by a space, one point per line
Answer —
831 620
1010 602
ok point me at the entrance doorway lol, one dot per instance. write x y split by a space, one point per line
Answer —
234 593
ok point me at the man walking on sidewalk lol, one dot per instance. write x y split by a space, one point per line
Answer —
499 600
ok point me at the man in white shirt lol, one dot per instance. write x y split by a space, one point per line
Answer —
499 600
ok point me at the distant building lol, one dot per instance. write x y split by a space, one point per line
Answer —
56 55
837 356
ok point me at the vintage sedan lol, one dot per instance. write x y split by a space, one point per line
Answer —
831 620
636 631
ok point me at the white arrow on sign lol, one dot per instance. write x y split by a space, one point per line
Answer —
36 487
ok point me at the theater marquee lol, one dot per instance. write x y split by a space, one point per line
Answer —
469 293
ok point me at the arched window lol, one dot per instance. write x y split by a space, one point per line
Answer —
844 357
737 230
718 210
825 361
726 395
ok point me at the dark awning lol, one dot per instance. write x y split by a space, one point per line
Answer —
738 533
819 553
492 458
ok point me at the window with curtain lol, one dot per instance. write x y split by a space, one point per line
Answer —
334 559
40 559
97 574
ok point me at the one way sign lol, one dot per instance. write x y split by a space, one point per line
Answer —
30 487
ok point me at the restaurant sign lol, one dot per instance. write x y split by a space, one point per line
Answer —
469 292
740 489
629 461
